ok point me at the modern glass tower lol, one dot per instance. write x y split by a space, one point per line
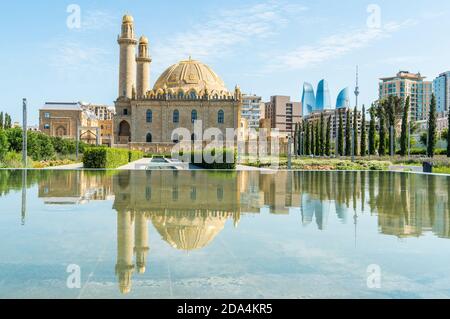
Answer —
323 101
308 99
343 99
441 89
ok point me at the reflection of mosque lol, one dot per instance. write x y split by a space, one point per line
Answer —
189 209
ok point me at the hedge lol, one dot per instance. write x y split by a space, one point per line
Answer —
217 164
135 155
102 157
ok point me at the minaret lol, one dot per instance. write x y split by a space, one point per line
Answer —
141 242
357 86
127 68
124 266
143 62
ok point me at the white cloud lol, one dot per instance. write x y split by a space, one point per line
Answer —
97 20
335 46
222 33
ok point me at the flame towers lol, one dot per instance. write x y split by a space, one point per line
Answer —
321 100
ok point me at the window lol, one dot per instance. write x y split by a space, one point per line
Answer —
149 116
176 138
47 115
193 95
221 117
47 126
125 111
194 116
149 138
176 116
193 193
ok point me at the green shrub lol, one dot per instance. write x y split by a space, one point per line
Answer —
102 157
135 155
221 158
4 144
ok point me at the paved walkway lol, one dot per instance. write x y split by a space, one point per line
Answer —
406 168
67 167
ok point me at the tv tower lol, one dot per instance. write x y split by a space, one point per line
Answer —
357 86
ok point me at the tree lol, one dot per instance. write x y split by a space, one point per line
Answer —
382 131
363 149
313 145
317 139
448 135
340 135
328 138
4 145
1 121
372 130
355 130
7 121
390 106
432 127
321 135
404 134
348 141
307 139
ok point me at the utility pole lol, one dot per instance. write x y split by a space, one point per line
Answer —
24 135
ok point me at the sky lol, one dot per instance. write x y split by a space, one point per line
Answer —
268 47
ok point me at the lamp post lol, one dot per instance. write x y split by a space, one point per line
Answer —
24 134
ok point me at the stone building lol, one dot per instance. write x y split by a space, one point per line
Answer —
105 116
59 119
186 92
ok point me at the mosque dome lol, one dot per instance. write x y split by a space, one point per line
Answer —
127 19
143 40
188 75
189 232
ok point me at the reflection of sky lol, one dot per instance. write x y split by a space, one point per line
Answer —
266 256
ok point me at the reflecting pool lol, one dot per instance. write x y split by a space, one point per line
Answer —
199 234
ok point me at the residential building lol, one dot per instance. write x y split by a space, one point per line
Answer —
105 116
253 110
441 89
406 84
283 114
315 117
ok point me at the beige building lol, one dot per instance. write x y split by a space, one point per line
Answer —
63 120
406 84
315 117
283 114
105 116
187 92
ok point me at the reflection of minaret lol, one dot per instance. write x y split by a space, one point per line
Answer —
24 196
355 221
141 242
124 266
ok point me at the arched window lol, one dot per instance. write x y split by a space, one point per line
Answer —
194 116
193 95
149 116
180 95
176 116
149 138
221 117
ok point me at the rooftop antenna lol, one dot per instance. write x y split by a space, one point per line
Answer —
357 86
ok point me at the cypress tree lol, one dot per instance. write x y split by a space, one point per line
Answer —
363 148
404 134
317 139
355 129
382 133
372 129
321 135
1 120
307 139
432 127
390 112
448 135
313 145
328 138
348 141
340 135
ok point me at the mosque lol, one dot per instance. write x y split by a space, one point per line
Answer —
186 92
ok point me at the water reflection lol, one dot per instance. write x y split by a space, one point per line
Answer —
189 209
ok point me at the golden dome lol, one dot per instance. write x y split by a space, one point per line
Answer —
189 233
190 74
127 19
143 40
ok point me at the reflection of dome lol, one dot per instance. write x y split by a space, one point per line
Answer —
188 75
189 232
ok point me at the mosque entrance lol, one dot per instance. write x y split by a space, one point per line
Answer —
124 132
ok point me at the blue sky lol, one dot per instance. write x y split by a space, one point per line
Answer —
267 47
